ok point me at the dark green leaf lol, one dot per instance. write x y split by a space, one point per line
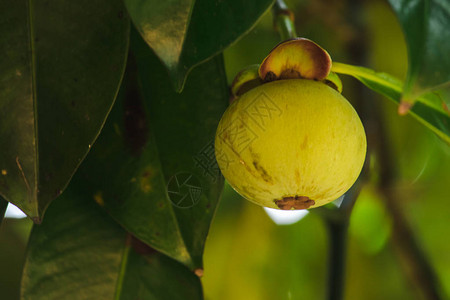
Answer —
426 26
429 109
3 206
155 276
61 66
180 42
152 135
13 243
163 25
79 252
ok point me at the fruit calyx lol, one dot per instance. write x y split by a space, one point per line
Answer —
245 80
295 202
298 58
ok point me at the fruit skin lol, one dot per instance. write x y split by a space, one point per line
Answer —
292 140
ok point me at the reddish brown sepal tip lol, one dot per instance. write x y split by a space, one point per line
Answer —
199 272
404 108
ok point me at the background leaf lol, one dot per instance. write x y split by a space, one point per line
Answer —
182 43
155 276
61 67
13 243
163 25
79 252
425 25
154 134
427 110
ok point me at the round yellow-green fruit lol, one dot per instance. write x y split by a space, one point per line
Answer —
291 144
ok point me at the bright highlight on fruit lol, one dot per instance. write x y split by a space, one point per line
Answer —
291 143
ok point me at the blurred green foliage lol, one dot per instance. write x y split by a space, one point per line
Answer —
13 242
250 257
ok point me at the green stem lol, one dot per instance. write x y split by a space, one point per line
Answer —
366 73
284 20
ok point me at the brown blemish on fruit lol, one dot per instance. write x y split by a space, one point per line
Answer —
296 202
226 135
296 58
252 153
297 175
304 143
261 171
266 177
241 161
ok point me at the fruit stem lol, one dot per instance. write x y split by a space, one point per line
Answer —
337 233
337 220
283 20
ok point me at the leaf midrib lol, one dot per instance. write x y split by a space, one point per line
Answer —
172 211
186 30
33 196
153 144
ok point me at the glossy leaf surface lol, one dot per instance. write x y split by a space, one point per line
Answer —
425 25
154 140
79 252
155 276
61 66
429 109
184 34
